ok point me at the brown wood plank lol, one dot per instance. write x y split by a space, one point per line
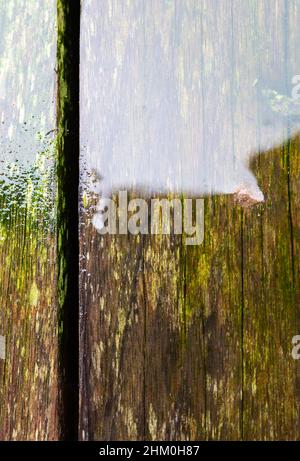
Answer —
270 303
179 342
29 387
294 191
112 336
175 375
193 326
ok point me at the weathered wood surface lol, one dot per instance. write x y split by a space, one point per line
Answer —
194 342
29 388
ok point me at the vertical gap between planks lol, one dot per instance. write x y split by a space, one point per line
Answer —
287 149
68 18
242 326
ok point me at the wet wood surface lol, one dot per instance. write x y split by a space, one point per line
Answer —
186 343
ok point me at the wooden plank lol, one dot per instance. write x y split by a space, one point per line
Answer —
192 391
293 192
270 407
173 381
28 302
179 342
112 337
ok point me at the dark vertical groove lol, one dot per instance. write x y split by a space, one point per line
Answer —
287 159
68 17
287 149
145 425
203 146
204 371
242 323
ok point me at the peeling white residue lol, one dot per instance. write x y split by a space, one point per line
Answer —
27 77
2 348
179 99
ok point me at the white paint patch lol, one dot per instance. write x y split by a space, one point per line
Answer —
27 78
177 96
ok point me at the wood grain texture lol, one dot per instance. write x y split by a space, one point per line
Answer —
29 387
270 401
189 343
29 378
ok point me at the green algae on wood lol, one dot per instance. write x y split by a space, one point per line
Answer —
28 303
194 343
